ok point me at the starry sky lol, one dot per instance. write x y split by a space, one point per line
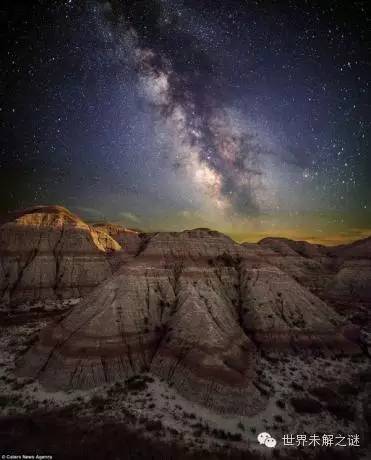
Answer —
248 117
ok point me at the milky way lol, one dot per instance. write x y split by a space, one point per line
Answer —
248 118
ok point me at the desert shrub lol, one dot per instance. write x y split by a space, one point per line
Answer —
197 425
163 303
262 390
32 340
365 376
324 394
6 401
296 386
221 434
154 425
281 403
117 388
98 403
341 410
70 410
306 405
32 406
235 436
271 358
138 382
227 260
347 389
18 385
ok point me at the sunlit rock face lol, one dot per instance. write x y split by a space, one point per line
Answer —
129 239
47 251
194 308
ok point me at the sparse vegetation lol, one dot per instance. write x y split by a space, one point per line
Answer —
98 403
341 410
138 383
347 389
306 405
154 425
155 405
116 389
225 435
296 386
8 400
324 394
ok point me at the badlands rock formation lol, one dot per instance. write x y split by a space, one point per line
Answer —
194 308
311 265
341 273
46 251
169 311
352 281
129 239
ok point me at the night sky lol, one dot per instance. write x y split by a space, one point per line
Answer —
249 117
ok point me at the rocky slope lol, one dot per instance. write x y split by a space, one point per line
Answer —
46 251
339 275
128 239
352 282
193 308
311 265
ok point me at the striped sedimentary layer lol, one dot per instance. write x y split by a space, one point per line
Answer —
46 251
193 308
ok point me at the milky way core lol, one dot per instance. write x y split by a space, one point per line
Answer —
247 117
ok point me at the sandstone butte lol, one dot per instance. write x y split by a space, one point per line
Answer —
46 251
192 307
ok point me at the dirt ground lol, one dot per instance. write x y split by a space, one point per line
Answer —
144 418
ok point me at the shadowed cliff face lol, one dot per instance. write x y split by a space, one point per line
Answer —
340 274
193 307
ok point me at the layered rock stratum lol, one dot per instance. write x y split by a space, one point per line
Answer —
337 274
46 252
193 307
128 238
